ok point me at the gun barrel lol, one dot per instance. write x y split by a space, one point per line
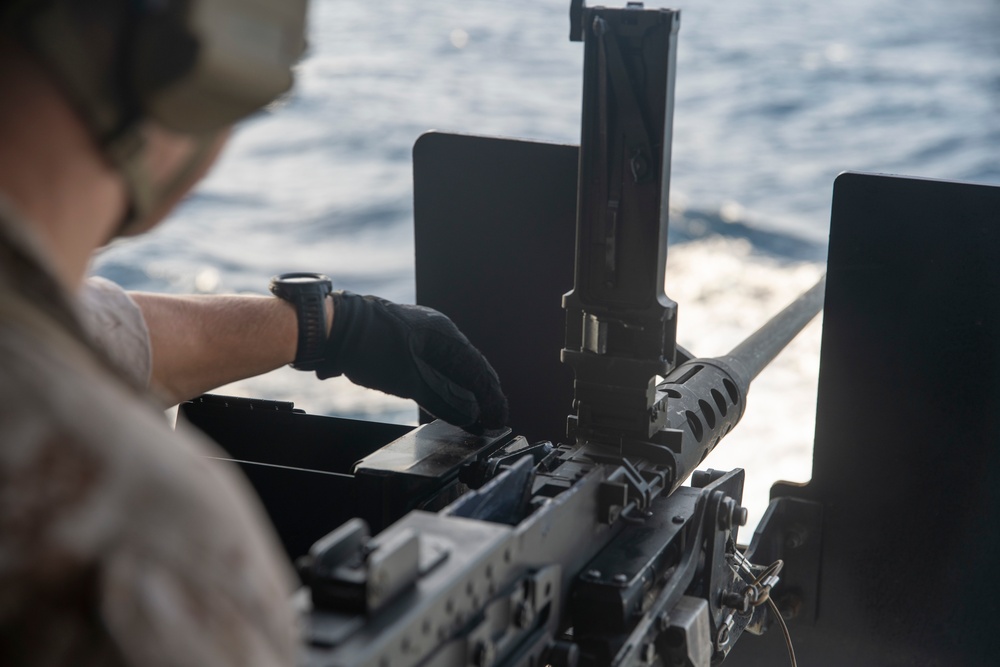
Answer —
761 347
705 398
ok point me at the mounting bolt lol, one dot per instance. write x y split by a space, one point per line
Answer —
663 621
732 514
678 519
620 579
593 574
740 515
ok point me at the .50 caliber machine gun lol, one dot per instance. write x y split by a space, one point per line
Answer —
582 554
589 552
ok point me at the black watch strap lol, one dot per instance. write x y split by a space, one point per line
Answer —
308 293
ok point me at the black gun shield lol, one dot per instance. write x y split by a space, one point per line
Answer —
907 448
494 232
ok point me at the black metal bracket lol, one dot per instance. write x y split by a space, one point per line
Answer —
791 531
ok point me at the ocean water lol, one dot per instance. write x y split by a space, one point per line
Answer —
774 99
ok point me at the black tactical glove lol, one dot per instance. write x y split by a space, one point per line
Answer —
414 352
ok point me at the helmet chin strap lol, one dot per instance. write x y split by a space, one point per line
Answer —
146 197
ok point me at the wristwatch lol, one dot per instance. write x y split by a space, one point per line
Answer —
307 292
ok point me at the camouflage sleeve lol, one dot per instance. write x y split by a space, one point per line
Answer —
116 326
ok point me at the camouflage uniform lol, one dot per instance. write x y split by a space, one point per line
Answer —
116 326
120 542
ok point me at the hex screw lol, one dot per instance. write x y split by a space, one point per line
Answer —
620 579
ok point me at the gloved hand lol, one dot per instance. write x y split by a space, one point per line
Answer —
414 352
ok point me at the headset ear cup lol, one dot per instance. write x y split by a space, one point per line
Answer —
163 53
193 66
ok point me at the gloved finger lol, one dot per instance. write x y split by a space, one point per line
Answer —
444 399
456 359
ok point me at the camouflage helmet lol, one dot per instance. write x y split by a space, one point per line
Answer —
194 67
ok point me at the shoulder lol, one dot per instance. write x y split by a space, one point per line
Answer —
99 498
116 325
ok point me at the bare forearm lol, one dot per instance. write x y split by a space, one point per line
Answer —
202 342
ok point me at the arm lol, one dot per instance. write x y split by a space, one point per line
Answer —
202 342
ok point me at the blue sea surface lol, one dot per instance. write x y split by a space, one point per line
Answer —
774 99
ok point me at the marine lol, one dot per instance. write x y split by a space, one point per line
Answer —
123 541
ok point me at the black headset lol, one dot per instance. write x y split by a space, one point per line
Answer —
194 67
191 65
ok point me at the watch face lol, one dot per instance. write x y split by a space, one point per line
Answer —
300 278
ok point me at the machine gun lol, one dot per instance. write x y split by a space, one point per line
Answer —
567 555
587 553
491 550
